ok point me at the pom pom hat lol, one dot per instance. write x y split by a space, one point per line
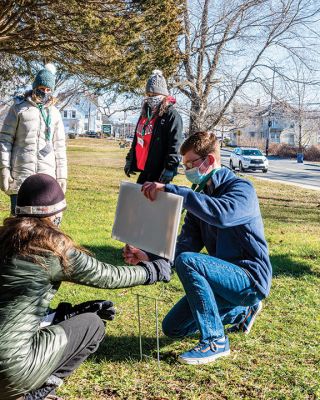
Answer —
157 84
46 77
40 195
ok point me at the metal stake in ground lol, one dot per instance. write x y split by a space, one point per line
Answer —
157 330
139 325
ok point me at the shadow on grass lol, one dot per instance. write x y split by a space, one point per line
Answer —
289 215
123 348
276 199
106 253
283 264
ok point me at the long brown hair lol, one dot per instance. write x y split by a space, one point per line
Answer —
31 237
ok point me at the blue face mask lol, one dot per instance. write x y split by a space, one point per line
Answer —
196 177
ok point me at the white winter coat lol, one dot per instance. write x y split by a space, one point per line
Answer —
22 136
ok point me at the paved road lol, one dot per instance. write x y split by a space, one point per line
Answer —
287 171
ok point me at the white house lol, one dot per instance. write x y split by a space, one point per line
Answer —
80 115
252 123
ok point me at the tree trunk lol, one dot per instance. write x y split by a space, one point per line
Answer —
300 139
197 120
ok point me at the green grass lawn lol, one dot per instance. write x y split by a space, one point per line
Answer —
280 357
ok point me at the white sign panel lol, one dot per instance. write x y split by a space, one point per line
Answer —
149 225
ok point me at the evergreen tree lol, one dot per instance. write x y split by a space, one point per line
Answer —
107 43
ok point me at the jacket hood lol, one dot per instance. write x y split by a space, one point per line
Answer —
22 97
172 100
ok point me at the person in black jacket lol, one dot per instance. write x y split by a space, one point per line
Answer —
155 148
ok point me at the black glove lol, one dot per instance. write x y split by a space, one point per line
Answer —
127 169
103 308
158 270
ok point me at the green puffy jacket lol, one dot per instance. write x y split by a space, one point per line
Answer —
28 354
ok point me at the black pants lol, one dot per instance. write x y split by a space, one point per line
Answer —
13 203
84 333
148 177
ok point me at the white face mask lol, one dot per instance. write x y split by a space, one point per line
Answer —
154 101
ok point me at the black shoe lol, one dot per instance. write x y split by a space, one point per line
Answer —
41 393
52 383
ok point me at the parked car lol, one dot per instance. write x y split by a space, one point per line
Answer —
91 134
72 135
246 158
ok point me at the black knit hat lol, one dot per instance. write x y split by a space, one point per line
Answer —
40 195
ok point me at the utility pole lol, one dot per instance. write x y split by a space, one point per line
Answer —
124 124
222 134
89 117
270 113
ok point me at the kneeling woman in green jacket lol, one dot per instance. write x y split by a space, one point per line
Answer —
35 257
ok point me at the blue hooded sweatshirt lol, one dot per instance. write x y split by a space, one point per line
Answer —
226 220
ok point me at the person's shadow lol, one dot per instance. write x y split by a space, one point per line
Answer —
284 264
106 253
124 347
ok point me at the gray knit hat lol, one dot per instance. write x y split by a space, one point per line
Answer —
157 83
46 77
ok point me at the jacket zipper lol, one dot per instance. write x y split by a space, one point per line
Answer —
38 141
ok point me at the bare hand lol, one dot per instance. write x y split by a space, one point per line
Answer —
132 255
150 189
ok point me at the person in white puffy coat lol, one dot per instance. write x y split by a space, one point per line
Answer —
32 137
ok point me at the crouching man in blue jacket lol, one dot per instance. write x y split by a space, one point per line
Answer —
227 286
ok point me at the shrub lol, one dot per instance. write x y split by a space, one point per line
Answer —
283 150
226 141
311 153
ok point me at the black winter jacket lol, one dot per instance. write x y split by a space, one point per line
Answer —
164 151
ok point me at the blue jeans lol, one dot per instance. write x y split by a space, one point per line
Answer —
217 293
